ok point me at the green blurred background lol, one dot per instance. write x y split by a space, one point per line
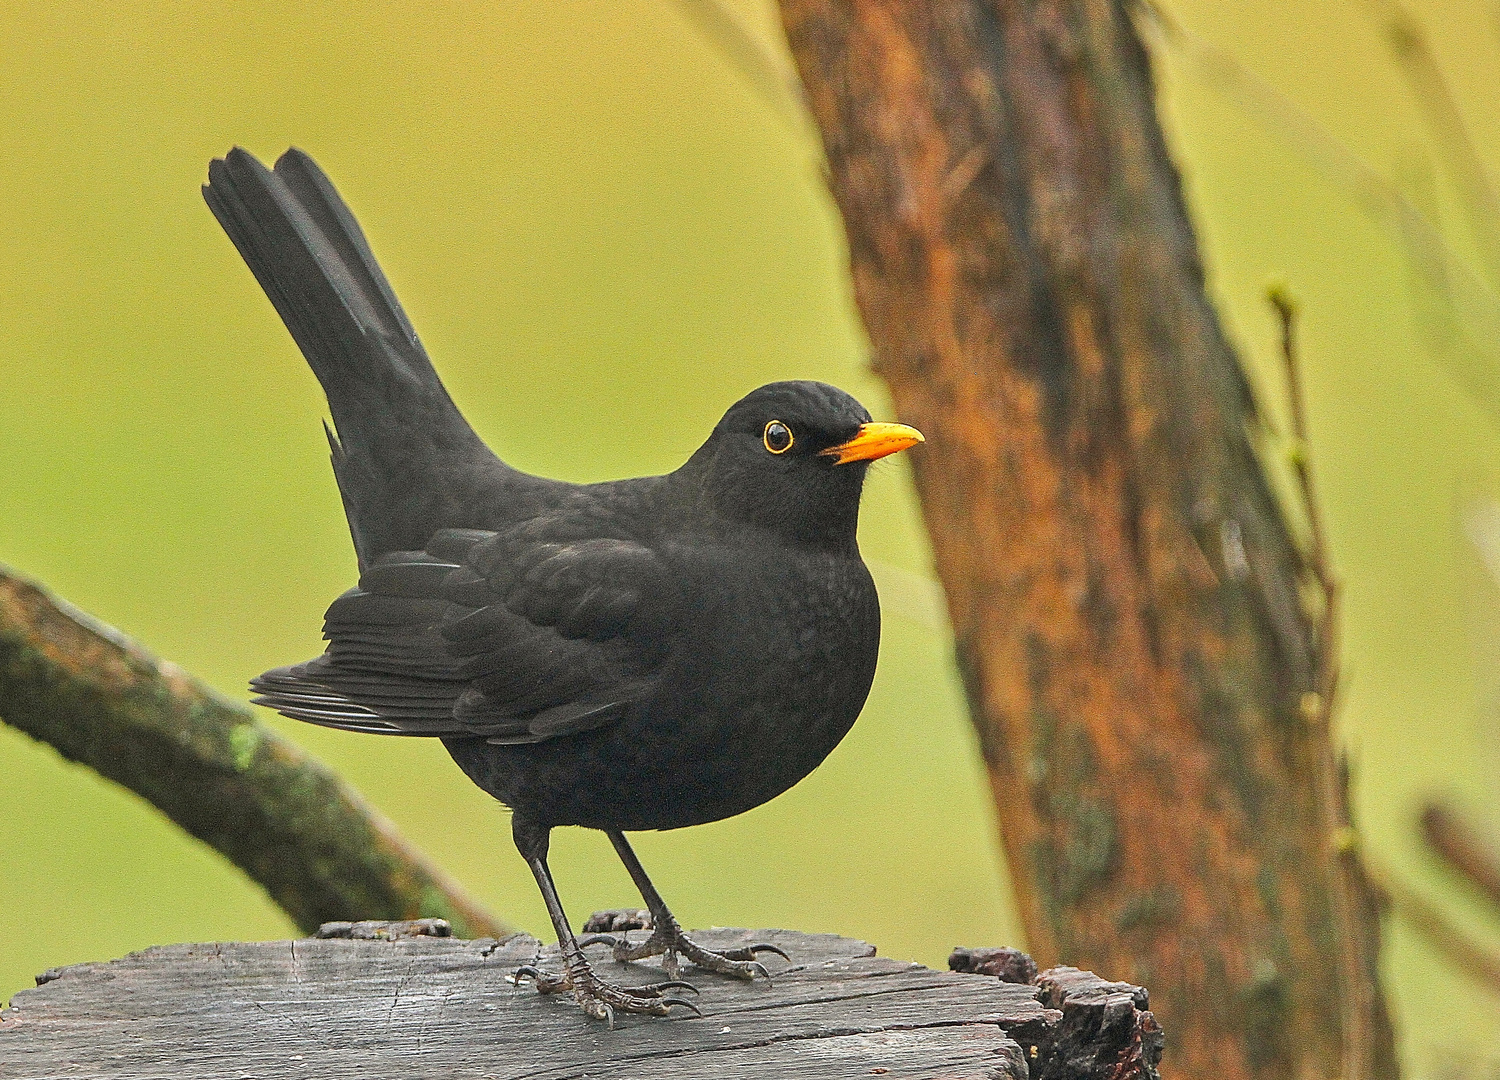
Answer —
603 225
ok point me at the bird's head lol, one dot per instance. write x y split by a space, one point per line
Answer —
791 458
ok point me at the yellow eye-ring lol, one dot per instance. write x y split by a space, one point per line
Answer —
778 437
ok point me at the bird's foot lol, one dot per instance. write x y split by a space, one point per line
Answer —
668 941
602 1000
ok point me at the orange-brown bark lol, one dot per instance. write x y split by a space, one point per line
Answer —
1125 596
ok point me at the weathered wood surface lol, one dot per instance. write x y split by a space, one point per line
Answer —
376 1007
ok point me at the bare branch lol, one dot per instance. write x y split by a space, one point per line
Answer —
1317 708
1452 943
768 72
1468 294
1463 848
1430 90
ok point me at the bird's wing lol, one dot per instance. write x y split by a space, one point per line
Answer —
516 637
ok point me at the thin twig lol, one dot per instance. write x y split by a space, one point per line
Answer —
1286 311
1451 278
1357 998
768 71
1440 110
307 838
1451 942
1462 848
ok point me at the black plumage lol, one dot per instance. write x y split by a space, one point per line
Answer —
640 654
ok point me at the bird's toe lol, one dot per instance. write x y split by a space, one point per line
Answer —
602 1000
546 982
739 963
748 952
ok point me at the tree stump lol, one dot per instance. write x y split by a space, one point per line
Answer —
394 1000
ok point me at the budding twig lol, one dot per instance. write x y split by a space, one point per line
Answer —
1357 999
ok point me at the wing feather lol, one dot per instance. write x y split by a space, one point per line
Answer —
512 637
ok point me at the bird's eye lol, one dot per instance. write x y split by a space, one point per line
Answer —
778 437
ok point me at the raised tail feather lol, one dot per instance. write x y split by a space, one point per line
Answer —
406 460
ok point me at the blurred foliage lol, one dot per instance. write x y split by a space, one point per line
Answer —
605 231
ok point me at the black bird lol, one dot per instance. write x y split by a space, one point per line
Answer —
639 654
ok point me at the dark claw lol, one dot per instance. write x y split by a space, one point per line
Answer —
601 939
545 981
748 952
669 1002
675 984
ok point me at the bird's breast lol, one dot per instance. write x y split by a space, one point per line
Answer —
769 659
770 673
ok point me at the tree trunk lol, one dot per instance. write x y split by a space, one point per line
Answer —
1126 598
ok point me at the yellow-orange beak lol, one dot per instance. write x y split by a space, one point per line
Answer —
874 441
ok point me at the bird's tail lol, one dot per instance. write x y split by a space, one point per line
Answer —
402 447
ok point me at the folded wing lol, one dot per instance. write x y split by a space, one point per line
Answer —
513 636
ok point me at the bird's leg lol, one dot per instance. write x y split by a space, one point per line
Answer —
595 997
667 939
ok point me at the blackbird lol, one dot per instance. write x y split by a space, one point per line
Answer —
639 654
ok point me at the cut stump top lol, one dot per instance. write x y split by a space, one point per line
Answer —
434 1006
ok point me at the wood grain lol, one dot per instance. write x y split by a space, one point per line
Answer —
425 1006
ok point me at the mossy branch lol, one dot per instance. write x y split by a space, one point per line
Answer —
306 837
